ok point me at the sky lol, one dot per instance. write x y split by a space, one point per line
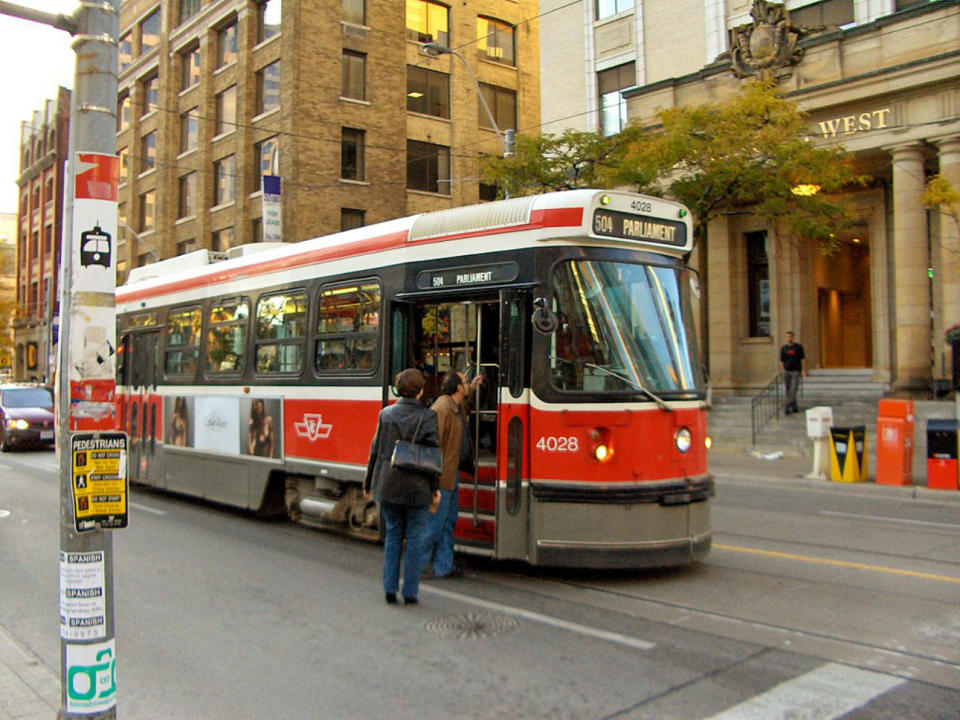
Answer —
35 60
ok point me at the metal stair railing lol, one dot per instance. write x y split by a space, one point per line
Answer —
764 406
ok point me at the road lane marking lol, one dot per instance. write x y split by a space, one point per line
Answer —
5 467
830 691
4 513
149 510
885 518
836 563
596 633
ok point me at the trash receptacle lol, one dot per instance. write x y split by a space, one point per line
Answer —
847 453
942 470
895 442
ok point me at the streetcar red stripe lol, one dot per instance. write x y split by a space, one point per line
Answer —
557 217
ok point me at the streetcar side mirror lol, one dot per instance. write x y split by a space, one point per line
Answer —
544 319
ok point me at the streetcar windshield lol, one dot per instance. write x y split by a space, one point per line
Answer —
624 327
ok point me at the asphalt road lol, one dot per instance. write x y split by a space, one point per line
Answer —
813 602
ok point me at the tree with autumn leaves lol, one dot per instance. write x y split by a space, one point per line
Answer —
750 154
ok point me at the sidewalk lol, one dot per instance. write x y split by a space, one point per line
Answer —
787 469
29 690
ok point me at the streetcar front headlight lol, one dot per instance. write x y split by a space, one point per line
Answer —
683 440
708 442
601 444
20 424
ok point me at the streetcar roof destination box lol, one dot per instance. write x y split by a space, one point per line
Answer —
819 420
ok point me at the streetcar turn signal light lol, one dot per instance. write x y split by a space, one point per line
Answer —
683 439
708 442
602 445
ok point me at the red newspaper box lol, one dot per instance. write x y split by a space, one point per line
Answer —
895 442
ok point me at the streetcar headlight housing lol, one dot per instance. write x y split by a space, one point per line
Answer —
20 424
683 439
601 444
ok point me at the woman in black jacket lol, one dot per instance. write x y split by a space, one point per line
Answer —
403 496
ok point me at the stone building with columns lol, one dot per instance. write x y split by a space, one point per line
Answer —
880 78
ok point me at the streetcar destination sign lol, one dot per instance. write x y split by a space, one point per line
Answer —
612 223
468 276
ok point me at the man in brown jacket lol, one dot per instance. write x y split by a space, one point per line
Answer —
451 412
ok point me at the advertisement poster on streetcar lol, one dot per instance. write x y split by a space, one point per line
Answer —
233 426
99 480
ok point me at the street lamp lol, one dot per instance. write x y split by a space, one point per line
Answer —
433 49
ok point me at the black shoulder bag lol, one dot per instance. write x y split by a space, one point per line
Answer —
411 455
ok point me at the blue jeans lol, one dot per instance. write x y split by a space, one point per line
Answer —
439 540
403 522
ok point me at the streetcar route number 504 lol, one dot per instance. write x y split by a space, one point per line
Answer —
552 443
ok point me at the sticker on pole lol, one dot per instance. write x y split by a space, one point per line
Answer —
99 480
91 677
83 606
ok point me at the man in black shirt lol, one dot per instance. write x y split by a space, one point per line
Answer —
791 362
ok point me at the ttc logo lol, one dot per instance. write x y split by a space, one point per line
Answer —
312 427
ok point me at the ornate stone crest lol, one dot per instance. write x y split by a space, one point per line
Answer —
768 46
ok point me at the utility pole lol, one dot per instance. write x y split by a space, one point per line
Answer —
93 457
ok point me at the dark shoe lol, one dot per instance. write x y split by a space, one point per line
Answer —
427 574
391 598
410 601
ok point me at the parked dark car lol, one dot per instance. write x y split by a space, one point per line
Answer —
26 416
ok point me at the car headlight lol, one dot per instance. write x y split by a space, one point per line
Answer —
20 424
683 439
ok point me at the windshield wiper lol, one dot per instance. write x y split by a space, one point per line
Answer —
636 386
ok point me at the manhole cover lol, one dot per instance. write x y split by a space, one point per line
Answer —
472 625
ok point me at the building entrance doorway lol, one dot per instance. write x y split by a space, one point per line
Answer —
843 295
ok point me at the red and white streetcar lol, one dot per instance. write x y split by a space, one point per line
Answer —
254 377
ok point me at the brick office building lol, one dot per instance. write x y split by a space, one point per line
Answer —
43 150
334 97
876 76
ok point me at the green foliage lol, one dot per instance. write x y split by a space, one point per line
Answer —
941 194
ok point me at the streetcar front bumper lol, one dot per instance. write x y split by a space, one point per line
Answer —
640 525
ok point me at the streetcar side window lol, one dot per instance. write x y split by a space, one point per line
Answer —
348 329
182 355
227 336
280 331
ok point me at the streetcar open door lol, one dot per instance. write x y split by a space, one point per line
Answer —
486 335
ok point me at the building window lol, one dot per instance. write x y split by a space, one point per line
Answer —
148 210
502 104
48 191
354 80
758 279
224 172
149 94
189 129
148 152
187 9
125 51
47 239
428 167
280 331
226 110
268 88
223 240
150 32
266 154
355 11
268 19
427 22
606 8
831 13
613 106
123 112
351 218
189 67
124 154
187 206
256 229
428 92
227 45
351 154
184 247
496 41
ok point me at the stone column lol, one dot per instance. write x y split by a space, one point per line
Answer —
946 300
911 288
